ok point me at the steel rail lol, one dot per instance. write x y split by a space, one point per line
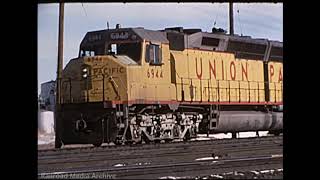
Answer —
216 166
151 146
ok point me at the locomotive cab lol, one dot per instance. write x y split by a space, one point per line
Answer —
138 44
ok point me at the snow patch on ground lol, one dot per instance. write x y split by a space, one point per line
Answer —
145 163
119 165
204 159
45 127
228 175
46 122
229 135
255 172
216 176
276 155
202 138
167 177
45 138
252 134
266 171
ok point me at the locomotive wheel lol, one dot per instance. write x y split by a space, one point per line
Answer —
128 142
147 142
145 138
117 142
139 142
97 144
187 136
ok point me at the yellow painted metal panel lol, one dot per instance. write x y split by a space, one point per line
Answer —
223 67
275 70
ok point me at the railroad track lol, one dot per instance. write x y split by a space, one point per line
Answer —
187 169
151 158
156 155
134 147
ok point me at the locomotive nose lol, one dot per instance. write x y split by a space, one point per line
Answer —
101 78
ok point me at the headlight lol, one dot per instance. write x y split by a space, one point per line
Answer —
85 72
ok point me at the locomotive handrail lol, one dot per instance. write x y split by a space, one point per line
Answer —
251 53
225 80
275 92
213 84
123 85
252 93
115 86
103 96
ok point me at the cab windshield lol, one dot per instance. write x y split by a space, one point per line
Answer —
132 50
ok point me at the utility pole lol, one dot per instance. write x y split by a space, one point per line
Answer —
60 50
231 18
59 74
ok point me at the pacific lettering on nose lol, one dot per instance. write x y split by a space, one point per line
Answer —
111 70
106 71
121 70
114 70
97 71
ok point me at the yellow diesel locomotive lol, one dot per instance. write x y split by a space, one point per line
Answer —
133 85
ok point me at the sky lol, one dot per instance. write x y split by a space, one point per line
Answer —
258 20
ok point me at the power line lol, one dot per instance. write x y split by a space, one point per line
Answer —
217 14
84 10
215 20
239 21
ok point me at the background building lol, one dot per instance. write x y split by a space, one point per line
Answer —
46 113
47 96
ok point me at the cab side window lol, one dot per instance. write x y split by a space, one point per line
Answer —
153 54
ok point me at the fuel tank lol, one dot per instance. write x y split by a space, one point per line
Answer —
237 121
